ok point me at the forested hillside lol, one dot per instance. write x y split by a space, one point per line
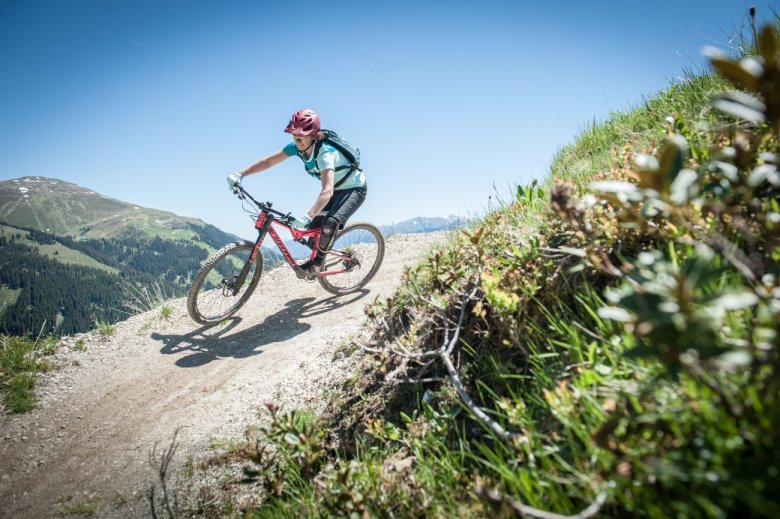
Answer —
45 292
51 296
64 285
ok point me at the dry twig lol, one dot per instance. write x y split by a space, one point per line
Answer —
444 354
523 509
162 465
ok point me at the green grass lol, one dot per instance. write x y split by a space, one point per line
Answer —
71 257
86 507
21 359
599 144
8 297
155 227
166 312
104 329
145 299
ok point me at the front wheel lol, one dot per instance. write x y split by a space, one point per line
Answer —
217 292
354 259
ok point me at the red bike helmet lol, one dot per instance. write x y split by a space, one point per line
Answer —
304 123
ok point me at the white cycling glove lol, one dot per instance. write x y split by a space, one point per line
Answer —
301 222
234 179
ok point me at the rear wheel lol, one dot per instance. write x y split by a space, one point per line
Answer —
214 294
354 259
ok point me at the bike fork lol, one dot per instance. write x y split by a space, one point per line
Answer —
262 231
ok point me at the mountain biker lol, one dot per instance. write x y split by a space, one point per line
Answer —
343 188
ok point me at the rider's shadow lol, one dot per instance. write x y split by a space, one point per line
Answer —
210 343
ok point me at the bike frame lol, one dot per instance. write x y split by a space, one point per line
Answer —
269 218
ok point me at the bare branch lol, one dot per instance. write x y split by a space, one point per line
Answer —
424 368
367 349
161 466
151 502
479 413
733 255
590 333
397 371
523 509
419 380
454 340
444 354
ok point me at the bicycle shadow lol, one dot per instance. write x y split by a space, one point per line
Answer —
210 343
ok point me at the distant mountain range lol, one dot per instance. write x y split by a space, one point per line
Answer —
422 224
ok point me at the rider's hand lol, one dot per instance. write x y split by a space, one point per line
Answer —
234 179
301 222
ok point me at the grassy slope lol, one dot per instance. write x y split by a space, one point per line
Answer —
21 359
653 425
8 297
57 251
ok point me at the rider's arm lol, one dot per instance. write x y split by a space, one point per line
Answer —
325 194
264 163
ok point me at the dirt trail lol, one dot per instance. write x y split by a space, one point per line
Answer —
87 445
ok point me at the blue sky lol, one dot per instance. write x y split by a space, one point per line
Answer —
155 102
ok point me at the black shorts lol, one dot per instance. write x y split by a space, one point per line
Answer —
341 206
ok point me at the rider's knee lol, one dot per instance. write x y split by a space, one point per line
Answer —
330 226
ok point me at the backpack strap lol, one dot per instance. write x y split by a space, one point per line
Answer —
318 147
352 167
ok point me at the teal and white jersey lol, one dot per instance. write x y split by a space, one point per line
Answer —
329 158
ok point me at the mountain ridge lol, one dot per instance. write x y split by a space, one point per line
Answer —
64 208
423 224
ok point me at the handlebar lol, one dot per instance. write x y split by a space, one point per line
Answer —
242 194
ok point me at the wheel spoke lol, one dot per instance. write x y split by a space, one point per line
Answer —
353 259
214 295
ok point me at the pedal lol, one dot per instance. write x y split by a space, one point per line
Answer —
302 274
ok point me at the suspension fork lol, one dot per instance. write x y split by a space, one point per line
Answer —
262 225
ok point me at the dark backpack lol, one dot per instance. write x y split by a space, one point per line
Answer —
351 153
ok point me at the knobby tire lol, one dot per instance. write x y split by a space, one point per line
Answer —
211 304
368 243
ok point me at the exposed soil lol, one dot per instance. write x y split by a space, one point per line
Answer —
110 400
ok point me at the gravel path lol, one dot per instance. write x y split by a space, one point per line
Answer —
87 445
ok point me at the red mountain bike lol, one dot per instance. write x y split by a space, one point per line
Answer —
230 276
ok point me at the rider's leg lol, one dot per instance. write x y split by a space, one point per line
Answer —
329 230
340 208
343 208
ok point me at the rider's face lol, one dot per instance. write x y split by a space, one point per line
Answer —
302 142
